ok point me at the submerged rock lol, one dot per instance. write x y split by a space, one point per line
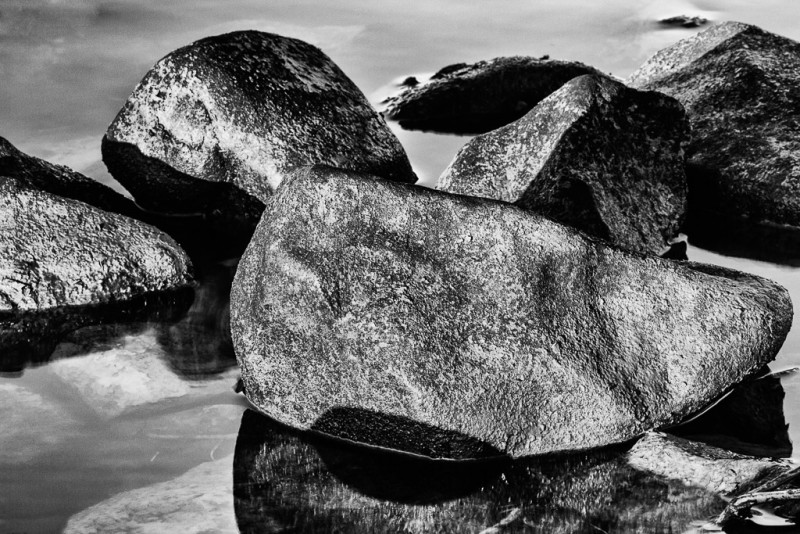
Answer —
479 319
60 257
196 502
595 154
741 91
482 96
61 181
214 126
703 466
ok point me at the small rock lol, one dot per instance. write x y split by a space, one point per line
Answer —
684 21
595 154
740 87
214 126
476 98
197 502
703 466
480 319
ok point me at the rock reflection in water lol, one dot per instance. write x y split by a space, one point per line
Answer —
290 481
199 345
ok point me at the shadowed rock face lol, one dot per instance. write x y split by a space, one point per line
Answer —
596 155
228 116
58 255
741 91
474 316
62 181
482 96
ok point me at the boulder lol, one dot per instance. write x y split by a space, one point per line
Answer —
479 97
741 92
595 154
481 320
61 258
61 181
214 126
703 466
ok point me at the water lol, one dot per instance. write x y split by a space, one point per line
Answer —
141 421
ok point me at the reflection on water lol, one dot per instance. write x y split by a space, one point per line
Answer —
286 481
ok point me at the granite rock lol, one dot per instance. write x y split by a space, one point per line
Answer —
741 91
474 317
214 126
481 96
595 154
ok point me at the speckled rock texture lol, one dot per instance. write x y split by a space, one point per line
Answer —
702 466
741 91
481 319
482 96
214 126
57 252
596 155
60 180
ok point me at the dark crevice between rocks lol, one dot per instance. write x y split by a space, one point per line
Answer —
29 338
198 214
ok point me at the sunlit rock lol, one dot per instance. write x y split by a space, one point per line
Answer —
741 91
31 424
196 502
214 126
703 466
479 319
481 96
64 263
595 154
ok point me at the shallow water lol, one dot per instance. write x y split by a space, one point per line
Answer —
141 422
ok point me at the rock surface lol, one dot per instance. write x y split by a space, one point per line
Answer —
741 91
197 502
595 154
482 96
479 319
61 181
214 126
65 264
704 466
57 252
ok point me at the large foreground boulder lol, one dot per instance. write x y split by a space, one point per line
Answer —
59 254
359 300
741 90
214 126
595 155
481 96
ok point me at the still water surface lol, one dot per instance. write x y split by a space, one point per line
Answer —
139 425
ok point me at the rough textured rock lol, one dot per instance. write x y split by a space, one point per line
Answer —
214 126
482 96
285 480
595 154
480 319
58 252
741 91
700 465
61 181
197 502
60 259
